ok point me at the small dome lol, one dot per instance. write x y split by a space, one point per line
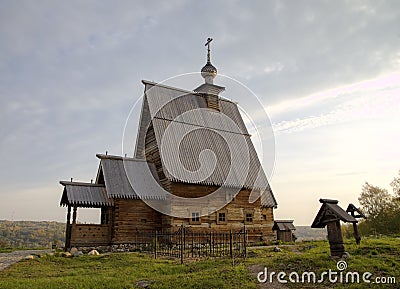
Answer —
209 70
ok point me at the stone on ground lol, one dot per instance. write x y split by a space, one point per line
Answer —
66 254
73 250
142 284
94 253
77 254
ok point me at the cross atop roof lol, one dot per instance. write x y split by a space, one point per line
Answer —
208 49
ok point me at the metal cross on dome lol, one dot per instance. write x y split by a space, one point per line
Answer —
208 48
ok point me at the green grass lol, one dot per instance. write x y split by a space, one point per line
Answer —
10 249
123 271
7 250
381 257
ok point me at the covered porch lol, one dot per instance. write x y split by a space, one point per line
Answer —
86 195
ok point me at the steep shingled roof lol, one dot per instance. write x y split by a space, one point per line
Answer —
166 108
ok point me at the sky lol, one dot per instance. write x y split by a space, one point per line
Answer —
327 74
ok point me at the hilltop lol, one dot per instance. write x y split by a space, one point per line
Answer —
31 234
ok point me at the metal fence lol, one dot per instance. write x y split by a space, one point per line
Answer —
185 244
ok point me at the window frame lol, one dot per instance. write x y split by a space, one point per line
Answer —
246 213
225 217
195 218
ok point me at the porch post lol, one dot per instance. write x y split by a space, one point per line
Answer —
74 215
68 229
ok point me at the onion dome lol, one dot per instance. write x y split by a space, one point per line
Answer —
208 72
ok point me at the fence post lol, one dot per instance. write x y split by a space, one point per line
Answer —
192 245
182 242
211 245
230 244
136 238
155 244
244 241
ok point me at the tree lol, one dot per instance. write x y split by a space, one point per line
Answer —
396 186
381 208
3 243
374 200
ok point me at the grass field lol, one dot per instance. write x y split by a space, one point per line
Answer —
381 257
9 250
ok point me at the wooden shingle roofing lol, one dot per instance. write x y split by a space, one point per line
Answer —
283 225
84 195
117 173
331 212
130 178
183 111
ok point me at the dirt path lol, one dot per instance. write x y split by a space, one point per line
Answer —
7 259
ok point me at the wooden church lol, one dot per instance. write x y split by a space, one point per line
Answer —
170 182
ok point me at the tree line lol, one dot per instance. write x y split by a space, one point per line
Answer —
382 209
30 234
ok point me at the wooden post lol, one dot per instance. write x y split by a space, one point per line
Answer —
68 230
74 215
355 213
335 239
356 235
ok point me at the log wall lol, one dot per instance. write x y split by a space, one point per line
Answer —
285 236
153 155
259 229
89 234
131 215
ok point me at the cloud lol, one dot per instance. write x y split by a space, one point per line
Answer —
376 98
69 71
330 143
275 67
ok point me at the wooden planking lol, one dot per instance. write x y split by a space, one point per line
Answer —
285 236
263 219
132 215
212 101
88 234
129 213
152 155
144 123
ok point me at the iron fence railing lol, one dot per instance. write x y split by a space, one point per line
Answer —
185 244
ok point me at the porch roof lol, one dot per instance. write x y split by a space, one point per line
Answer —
85 195
130 178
